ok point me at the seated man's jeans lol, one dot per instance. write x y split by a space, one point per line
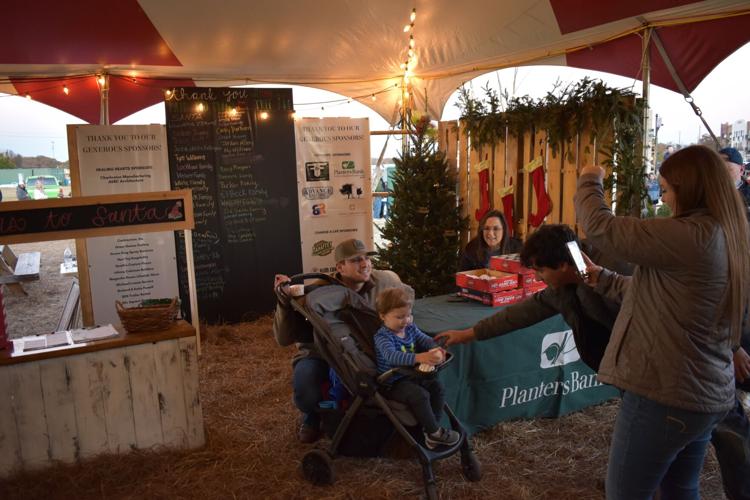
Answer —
731 440
309 375
657 446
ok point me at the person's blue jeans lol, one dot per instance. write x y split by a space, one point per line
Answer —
657 446
308 377
731 440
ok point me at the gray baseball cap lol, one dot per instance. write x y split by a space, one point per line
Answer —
351 248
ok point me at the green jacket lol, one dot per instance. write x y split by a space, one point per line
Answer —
589 315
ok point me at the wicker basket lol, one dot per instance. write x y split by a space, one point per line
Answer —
147 318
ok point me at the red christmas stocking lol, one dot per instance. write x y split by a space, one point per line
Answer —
484 194
507 200
543 201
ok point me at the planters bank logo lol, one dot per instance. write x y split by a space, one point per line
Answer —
317 171
322 248
558 349
317 193
348 168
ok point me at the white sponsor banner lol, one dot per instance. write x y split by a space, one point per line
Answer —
130 268
335 195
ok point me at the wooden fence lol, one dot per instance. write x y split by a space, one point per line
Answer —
506 161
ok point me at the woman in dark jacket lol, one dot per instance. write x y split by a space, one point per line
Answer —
493 239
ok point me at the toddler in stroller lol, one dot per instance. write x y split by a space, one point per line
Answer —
400 343
343 329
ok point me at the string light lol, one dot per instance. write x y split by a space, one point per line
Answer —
101 80
374 97
407 67
28 96
199 107
168 93
264 115
66 90
233 112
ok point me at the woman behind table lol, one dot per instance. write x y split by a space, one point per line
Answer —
493 239
671 346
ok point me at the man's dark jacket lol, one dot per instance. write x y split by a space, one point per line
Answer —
589 315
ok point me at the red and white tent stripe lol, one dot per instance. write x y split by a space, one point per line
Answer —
353 47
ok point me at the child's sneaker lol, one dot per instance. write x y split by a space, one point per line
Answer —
441 437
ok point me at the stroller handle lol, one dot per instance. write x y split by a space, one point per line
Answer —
282 292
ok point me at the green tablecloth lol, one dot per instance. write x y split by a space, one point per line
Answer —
533 372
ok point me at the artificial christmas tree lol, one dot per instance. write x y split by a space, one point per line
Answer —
425 220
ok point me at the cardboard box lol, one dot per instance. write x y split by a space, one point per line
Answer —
528 279
532 288
502 298
498 281
510 263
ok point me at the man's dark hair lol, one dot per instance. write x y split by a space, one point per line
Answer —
546 246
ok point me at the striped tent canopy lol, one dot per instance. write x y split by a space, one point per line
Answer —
356 48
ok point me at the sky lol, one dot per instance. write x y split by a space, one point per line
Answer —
30 128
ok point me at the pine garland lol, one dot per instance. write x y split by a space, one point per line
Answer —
611 113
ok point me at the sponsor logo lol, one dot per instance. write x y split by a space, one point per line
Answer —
574 382
348 168
317 171
317 193
350 191
319 209
322 248
558 349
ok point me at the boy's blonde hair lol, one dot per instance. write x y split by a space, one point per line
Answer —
392 298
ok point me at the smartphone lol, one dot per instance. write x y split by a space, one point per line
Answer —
575 252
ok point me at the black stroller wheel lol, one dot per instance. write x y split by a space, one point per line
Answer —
317 467
470 467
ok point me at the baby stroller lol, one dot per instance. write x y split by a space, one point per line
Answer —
343 329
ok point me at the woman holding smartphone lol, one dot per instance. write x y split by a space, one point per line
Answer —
671 346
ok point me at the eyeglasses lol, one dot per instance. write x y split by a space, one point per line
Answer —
495 229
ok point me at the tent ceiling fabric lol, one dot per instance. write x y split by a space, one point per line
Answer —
352 47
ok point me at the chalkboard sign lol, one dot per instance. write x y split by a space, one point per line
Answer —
235 149
23 221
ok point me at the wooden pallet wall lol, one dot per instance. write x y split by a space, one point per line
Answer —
506 161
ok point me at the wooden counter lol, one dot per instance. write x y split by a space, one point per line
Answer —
131 392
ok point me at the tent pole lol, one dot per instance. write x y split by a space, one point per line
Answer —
646 76
678 81
404 117
104 99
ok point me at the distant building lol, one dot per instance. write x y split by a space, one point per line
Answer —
737 135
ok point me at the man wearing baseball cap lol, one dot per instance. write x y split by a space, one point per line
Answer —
353 269
733 160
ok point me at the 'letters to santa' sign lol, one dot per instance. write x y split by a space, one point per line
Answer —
95 216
